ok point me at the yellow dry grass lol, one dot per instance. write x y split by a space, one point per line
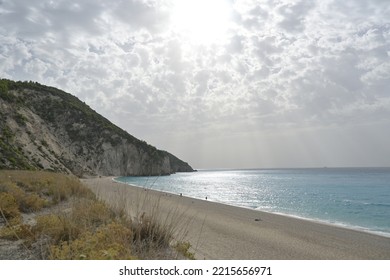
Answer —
84 228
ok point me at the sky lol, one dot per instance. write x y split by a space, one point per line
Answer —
218 83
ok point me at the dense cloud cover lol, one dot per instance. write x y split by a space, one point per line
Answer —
251 83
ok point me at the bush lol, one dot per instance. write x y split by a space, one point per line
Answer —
32 203
184 249
9 207
16 232
57 228
113 241
27 202
3 87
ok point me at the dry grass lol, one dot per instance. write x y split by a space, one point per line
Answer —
112 241
81 227
157 224
9 208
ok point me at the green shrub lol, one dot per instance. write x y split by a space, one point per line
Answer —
184 249
4 90
20 119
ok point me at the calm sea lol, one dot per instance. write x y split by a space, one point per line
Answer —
352 197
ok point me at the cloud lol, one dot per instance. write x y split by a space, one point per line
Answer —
140 14
286 64
60 19
293 15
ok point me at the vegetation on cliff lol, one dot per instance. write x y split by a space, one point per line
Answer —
43 127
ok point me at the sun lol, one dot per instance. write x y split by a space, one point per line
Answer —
200 21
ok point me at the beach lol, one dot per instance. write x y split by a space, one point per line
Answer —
219 231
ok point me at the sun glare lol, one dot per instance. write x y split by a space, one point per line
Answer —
200 21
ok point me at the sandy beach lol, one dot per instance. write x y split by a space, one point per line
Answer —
218 231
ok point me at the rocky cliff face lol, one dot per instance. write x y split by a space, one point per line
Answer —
45 128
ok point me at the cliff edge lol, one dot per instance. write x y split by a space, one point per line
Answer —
43 127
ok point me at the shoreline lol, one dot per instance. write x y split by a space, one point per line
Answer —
313 220
220 231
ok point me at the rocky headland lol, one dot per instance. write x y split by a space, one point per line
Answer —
44 128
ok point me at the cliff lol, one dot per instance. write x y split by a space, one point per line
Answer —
45 128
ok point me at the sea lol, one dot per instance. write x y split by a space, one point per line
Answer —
357 198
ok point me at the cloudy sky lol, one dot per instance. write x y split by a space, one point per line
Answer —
219 83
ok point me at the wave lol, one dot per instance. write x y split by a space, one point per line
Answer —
379 204
375 231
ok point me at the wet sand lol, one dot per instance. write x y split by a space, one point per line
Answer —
219 231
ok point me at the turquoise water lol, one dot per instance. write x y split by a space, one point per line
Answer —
352 197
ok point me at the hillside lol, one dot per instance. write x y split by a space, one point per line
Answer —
44 128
